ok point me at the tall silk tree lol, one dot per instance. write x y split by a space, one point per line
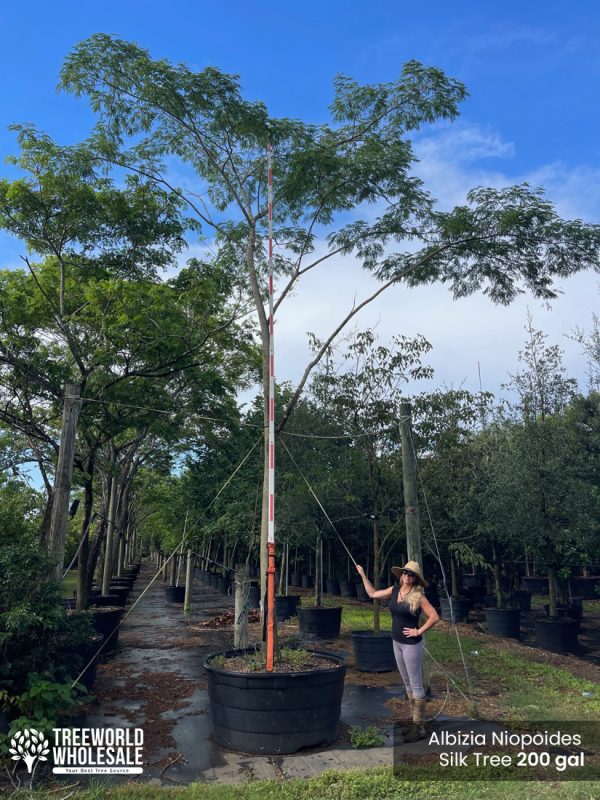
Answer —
346 187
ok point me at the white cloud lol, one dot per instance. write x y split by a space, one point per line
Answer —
504 37
465 332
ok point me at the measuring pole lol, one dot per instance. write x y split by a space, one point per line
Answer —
409 479
271 515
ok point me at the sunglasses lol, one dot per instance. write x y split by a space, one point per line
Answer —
408 573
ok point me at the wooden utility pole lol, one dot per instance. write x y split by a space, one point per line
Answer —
189 580
240 623
411 506
62 481
409 480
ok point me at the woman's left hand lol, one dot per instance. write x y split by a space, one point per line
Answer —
410 632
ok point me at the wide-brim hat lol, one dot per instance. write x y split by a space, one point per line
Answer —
411 566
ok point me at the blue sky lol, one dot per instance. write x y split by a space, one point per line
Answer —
532 70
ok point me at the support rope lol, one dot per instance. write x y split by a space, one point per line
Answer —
448 676
134 604
438 557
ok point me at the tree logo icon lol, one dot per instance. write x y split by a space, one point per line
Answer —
29 745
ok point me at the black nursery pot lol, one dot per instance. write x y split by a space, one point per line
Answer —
275 712
522 599
586 587
295 579
175 594
558 634
460 608
87 656
361 593
332 586
307 582
286 606
431 593
347 589
473 581
106 622
254 597
476 595
373 652
320 623
103 600
535 585
121 592
572 612
504 622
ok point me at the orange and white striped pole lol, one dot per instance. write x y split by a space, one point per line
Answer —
271 517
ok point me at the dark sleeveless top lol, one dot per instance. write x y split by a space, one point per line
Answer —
402 617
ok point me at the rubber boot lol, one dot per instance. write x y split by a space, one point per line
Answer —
417 730
408 705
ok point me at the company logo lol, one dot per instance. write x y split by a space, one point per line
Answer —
82 751
30 746
98 751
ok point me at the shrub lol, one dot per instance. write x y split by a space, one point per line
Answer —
365 737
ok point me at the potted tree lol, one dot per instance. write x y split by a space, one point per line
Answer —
455 607
545 475
504 618
318 621
364 155
364 400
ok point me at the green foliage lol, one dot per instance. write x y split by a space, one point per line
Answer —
464 554
43 705
297 658
36 634
255 662
365 737
374 783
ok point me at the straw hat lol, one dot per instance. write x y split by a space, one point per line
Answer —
411 566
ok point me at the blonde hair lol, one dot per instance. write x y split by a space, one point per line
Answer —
413 598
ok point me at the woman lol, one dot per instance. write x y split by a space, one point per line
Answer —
407 603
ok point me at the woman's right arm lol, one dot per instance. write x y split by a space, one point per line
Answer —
374 594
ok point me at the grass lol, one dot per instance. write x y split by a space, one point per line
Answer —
533 688
367 784
528 689
69 585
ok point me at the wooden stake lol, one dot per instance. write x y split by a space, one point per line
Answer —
189 579
240 625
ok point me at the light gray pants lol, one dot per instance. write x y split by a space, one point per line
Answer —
409 658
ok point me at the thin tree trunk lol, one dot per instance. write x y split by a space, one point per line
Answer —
62 481
108 545
376 621
318 569
83 575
